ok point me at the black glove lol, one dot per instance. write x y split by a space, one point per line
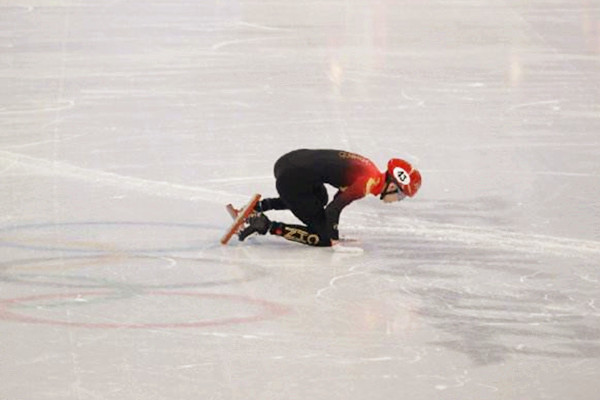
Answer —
332 218
335 234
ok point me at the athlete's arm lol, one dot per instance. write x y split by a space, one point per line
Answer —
342 199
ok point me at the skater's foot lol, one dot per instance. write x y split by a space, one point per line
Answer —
257 223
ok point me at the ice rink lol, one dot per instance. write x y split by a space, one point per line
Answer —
126 126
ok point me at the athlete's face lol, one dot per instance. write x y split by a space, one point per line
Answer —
393 194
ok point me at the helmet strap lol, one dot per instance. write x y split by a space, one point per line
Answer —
385 192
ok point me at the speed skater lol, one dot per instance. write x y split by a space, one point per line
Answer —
301 176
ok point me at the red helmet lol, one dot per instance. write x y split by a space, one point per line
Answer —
404 175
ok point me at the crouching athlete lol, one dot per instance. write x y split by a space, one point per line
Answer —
301 176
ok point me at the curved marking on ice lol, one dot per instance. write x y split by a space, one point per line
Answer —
334 279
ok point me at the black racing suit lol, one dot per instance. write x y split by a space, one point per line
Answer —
301 176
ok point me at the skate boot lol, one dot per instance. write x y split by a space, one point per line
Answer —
257 223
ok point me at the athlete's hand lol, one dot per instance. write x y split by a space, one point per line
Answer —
332 219
335 234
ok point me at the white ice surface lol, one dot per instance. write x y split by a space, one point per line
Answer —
125 126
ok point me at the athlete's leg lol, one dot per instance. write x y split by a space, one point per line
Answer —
300 234
320 192
271 203
305 200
